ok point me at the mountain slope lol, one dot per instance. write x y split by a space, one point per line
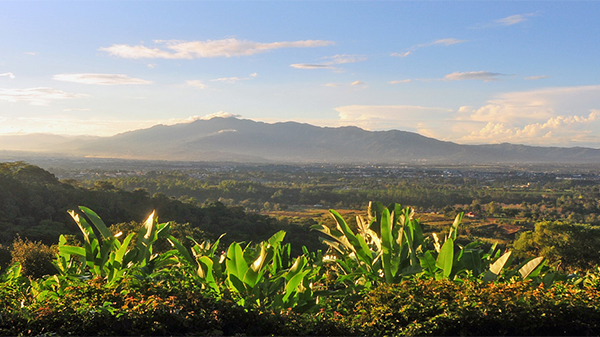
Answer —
239 140
248 141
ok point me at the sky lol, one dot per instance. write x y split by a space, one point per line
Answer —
470 72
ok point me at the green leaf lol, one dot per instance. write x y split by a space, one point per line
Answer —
293 283
123 249
387 242
358 244
496 268
454 228
236 264
277 238
428 262
530 267
445 258
86 229
183 251
97 222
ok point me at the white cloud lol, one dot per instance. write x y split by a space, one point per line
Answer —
405 54
196 84
557 131
36 96
444 42
31 53
176 49
386 117
440 42
311 66
100 79
533 78
513 19
485 76
563 116
333 85
357 83
536 105
220 114
400 81
235 79
9 75
344 58
333 60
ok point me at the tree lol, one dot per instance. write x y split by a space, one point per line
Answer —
568 246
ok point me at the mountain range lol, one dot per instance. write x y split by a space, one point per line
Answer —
241 140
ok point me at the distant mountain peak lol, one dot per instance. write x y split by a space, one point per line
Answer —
227 137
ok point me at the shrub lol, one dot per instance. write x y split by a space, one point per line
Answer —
428 307
35 257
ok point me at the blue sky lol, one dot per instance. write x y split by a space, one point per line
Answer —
469 72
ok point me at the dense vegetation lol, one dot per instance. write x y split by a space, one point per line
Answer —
515 193
385 273
34 205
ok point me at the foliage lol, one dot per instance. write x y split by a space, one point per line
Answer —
35 258
390 247
108 257
568 246
443 308
401 282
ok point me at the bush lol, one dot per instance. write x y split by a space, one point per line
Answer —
150 308
35 257
428 307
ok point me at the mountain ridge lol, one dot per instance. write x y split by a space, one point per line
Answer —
242 140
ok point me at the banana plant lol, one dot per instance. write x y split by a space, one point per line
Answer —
258 273
261 275
390 246
387 245
108 257
207 265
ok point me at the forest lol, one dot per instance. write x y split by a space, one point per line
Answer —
299 250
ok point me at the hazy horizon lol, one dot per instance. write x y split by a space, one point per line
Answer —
466 72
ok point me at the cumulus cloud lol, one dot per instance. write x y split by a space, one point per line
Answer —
535 105
485 76
36 96
440 42
100 79
176 49
220 114
558 131
386 117
9 75
196 84
562 116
